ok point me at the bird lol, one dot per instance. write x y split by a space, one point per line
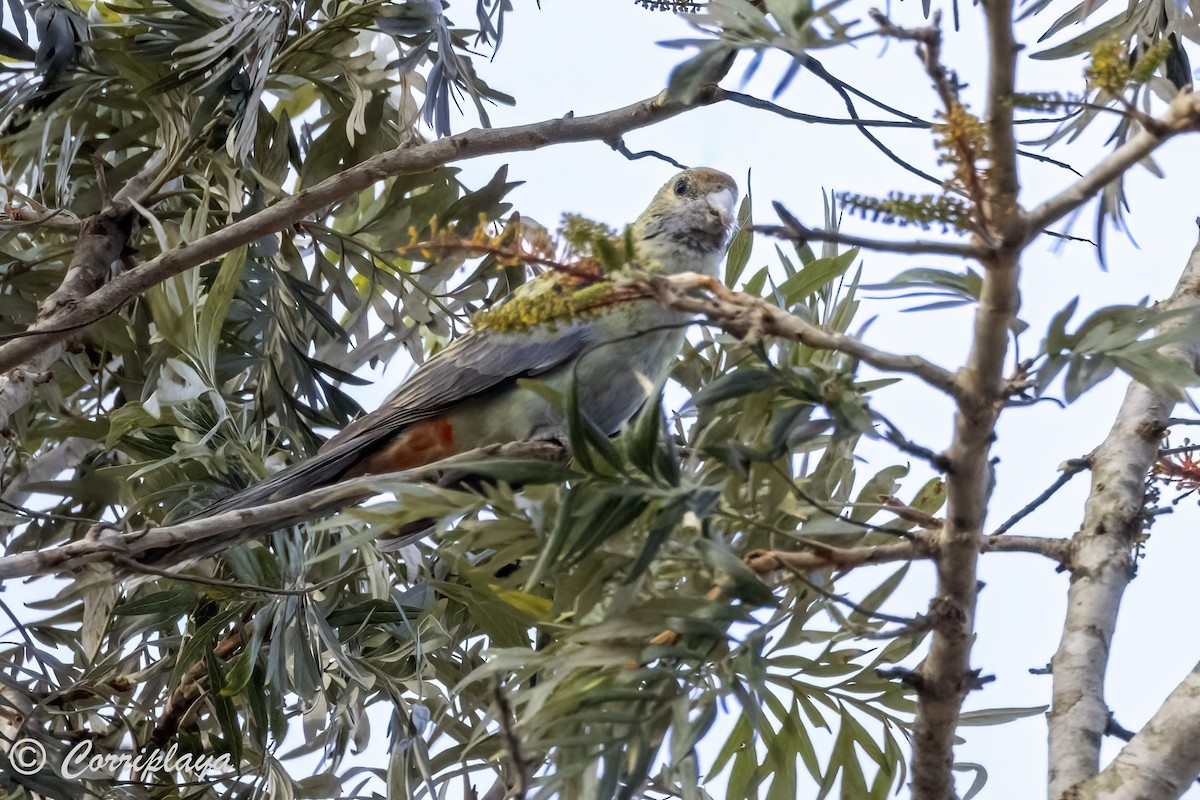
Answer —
564 329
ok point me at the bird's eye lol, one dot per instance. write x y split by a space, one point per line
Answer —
681 187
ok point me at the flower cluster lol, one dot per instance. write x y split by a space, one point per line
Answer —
924 211
1112 69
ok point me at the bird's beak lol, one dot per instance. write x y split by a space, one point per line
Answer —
723 203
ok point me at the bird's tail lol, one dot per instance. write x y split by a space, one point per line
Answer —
322 469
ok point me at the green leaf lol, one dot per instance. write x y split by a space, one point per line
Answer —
216 305
517 471
931 497
879 595
885 482
706 67
1057 339
1085 372
741 245
744 381
170 602
369 612
735 578
999 716
238 677
1164 374
979 780
815 276
642 441
662 526
223 708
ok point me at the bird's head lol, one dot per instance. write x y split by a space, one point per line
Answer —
689 218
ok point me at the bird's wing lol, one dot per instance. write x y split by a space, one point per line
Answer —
473 364
532 341
477 362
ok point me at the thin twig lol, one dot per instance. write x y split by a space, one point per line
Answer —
817 68
844 90
1067 470
912 623
619 145
893 435
508 732
238 586
1048 160
766 105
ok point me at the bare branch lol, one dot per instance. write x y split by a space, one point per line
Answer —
766 105
30 216
751 317
198 538
1103 561
1053 548
45 333
1002 183
945 677
1162 760
819 556
45 466
1182 116
845 90
192 686
794 230
103 237
924 545
1067 470
508 732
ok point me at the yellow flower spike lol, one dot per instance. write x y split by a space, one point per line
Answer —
1149 62
1109 68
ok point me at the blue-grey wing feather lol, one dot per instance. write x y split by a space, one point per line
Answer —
476 363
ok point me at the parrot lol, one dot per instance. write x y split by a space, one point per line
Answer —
560 328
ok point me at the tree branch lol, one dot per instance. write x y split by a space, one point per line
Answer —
766 105
522 769
1182 116
32 215
43 467
751 317
103 237
818 555
199 538
945 676
607 126
1067 470
1162 760
844 90
1113 517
